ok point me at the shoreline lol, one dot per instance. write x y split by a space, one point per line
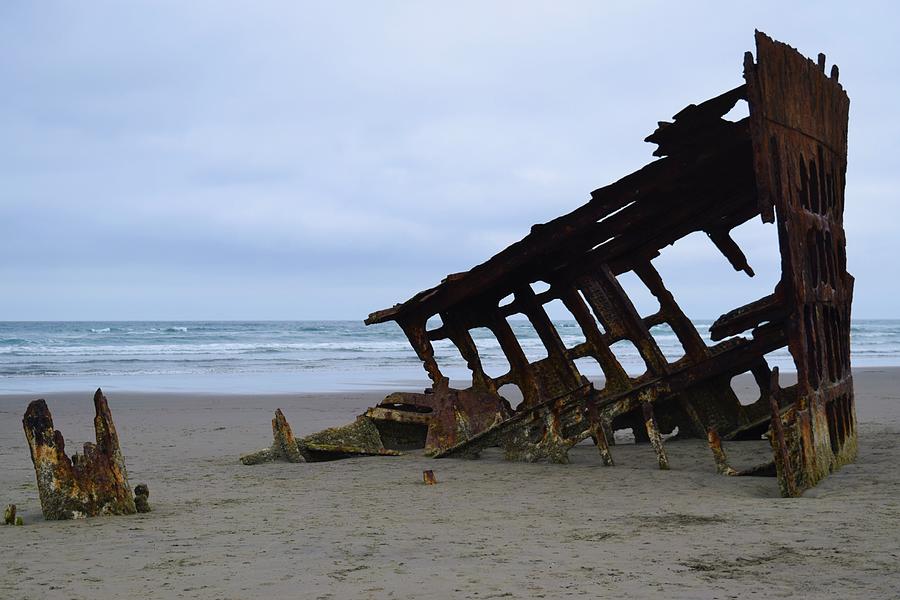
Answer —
314 356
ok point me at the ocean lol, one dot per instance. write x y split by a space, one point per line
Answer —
297 356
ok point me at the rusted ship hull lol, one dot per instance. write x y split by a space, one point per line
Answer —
785 164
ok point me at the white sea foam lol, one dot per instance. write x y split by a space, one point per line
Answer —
187 349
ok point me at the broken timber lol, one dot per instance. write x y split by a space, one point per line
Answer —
87 485
786 164
434 420
360 438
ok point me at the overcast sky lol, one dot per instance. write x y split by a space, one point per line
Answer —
268 160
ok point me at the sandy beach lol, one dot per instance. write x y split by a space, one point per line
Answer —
369 528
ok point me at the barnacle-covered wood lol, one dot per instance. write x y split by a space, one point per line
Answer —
142 498
359 438
87 485
784 164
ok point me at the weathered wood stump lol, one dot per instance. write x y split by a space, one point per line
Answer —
95 483
284 445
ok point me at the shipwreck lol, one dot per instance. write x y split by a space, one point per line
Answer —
784 164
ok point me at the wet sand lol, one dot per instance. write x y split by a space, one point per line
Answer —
369 528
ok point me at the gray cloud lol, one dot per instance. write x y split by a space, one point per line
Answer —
293 160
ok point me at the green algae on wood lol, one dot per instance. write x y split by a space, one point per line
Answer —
360 438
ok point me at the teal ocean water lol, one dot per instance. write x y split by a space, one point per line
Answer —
296 356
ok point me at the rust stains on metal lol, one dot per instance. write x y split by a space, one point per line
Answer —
715 445
654 435
799 134
87 485
437 419
784 164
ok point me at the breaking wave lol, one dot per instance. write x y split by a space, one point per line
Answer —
182 349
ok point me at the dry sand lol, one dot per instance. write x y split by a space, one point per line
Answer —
369 528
